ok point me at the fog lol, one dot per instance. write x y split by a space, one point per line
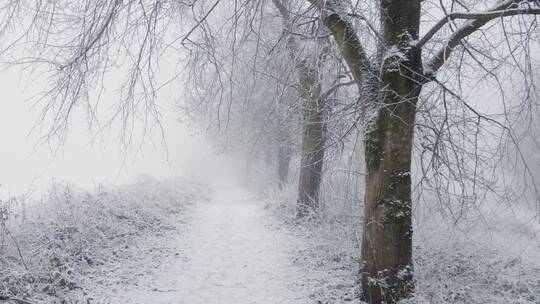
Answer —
85 159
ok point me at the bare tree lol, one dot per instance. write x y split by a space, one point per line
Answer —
246 97
79 45
389 127
404 83
308 68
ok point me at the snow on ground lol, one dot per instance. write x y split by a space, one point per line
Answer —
232 250
495 260
169 242
59 248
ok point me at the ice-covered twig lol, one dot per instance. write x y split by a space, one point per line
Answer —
16 300
474 16
475 22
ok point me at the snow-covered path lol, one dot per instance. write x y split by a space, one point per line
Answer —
230 252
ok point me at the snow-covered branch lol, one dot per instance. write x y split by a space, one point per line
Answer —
347 40
335 87
474 23
474 16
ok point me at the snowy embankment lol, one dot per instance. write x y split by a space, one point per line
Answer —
58 249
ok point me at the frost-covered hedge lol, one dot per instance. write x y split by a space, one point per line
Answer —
47 245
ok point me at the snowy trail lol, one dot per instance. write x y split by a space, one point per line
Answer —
231 252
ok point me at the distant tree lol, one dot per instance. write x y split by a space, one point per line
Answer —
245 98
308 67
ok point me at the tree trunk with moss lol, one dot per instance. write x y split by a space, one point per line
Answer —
387 230
387 236
389 88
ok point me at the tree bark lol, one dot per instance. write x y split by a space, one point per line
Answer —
387 228
283 155
387 235
314 119
284 159
313 142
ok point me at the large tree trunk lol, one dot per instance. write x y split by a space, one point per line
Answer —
387 228
387 234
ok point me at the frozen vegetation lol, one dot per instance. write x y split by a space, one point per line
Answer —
388 151
172 241
60 248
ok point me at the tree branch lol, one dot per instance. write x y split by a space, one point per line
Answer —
282 9
474 16
199 22
292 44
476 21
347 40
335 88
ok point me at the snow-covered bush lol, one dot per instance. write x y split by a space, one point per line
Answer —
45 253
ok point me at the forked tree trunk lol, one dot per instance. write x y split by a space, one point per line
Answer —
387 229
387 235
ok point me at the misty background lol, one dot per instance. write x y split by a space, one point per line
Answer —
86 159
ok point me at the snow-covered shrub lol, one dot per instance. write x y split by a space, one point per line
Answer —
45 254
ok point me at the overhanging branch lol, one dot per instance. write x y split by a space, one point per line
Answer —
476 21
474 16
347 41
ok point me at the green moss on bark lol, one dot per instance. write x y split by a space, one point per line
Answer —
372 145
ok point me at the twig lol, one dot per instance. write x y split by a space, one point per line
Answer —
16 245
16 300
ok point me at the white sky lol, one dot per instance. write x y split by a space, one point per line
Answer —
21 163
83 164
